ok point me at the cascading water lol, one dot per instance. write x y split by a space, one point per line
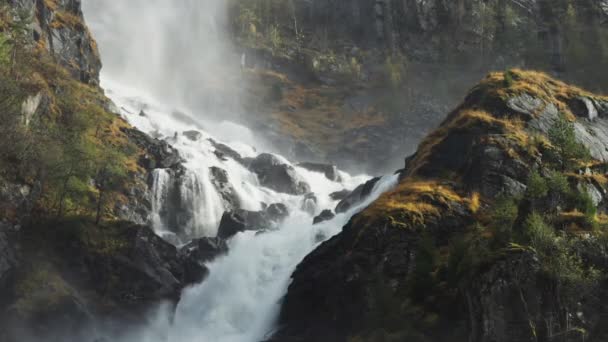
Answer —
161 57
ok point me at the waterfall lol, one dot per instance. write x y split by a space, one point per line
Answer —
163 63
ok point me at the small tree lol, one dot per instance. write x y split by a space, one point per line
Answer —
110 177
568 151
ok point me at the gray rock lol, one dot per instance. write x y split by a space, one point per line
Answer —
219 179
339 195
224 152
236 221
159 154
525 104
275 175
193 135
325 215
330 171
356 196
309 203
70 43
195 254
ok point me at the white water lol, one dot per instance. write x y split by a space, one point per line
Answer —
162 57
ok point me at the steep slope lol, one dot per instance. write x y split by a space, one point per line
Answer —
495 233
365 80
74 191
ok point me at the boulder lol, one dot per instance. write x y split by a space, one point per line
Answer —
275 175
193 135
309 203
240 220
325 215
223 152
356 196
159 154
195 254
339 195
330 171
219 179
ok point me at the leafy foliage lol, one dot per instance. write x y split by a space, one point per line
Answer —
57 136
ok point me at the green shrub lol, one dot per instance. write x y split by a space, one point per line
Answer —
537 186
539 234
503 216
558 183
567 152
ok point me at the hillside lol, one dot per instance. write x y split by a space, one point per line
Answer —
359 83
74 191
496 232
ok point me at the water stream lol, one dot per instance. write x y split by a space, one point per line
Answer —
162 60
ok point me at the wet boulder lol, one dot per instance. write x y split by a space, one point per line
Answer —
195 254
356 196
225 152
339 195
193 135
219 179
158 153
240 220
309 203
330 171
274 174
325 215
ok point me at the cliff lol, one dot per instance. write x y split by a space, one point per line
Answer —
496 231
358 82
74 188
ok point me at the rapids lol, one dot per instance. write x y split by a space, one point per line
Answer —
162 60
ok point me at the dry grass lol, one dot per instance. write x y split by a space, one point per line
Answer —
536 84
513 129
414 202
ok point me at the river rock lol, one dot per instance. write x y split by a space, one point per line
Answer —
240 220
219 179
330 171
309 203
195 254
193 135
325 215
356 196
278 176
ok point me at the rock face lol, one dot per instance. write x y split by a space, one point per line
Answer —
384 277
59 27
8 255
278 176
241 220
116 273
356 196
159 154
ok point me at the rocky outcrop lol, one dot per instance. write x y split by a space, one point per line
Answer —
58 26
241 220
278 176
417 264
115 272
158 153
356 196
